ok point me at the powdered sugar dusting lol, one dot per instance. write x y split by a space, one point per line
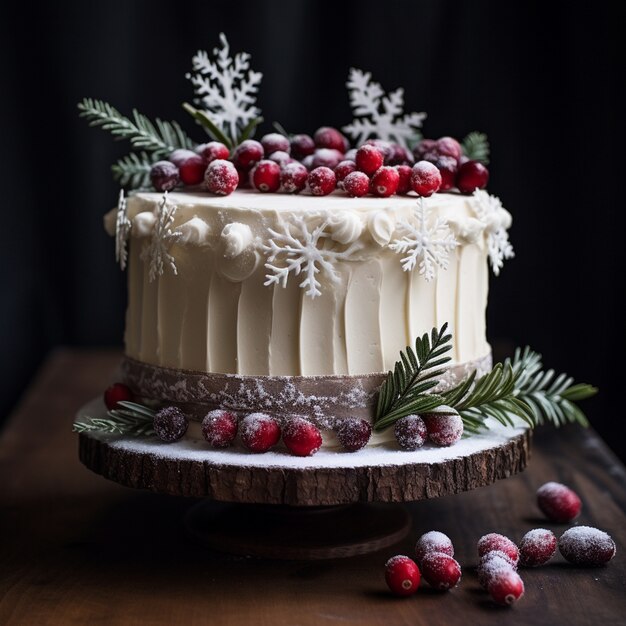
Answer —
584 545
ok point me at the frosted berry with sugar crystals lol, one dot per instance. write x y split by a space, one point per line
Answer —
328 137
558 502
537 547
170 424
356 184
402 575
398 155
221 177
444 426
280 157
273 142
212 150
343 169
383 146
308 162
584 545
505 587
368 159
495 541
293 177
301 146
404 179
491 563
440 570
219 428
191 168
410 432
353 433
164 176
433 541
449 147
117 392
265 176
327 157
385 181
424 147
350 155
247 153
301 437
425 179
448 167
179 155
472 175
259 432
322 181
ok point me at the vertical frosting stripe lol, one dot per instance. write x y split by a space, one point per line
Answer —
149 347
421 304
285 336
446 300
223 307
132 335
393 312
316 332
472 263
171 308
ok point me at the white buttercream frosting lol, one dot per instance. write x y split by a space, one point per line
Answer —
466 229
345 226
381 226
237 237
195 232
143 223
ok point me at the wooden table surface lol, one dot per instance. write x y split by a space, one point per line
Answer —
77 549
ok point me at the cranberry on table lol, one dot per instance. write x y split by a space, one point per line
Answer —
558 502
322 181
584 545
440 570
247 153
219 428
265 176
385 181
301 437
274 142
404 179
410 432
537 547
356 184
425 179
221 177
491 563
293 177
259 432
170 424
328 137
212 150
402 575
343 169
326 157
301 146
353 433
368 159
495 541
433 541
164 176
117 392
505 587
472 175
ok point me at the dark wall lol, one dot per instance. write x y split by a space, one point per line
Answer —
542 80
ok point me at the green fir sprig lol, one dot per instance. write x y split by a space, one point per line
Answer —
133 170
133 419
476 147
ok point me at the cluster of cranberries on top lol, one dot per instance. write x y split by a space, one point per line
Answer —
322 164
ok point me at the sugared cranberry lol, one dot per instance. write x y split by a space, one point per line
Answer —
273 142
402 575
293 177
280 157
404 179
583 545
301 146
440 570
356 184
505 587
368 159
308 162
212 150
247 153
219 428
180 155
385 181
350 155
353 433
327 157
491 563
472 175
117 392
164 176
448 146
259 432
410 432
221 177
301 437
495 541
445 427
447 167
537 547
558 502
383 146
191 168
322 181
423 148
343 169
328 137
265 176
425 179
170 424
398 155
433 541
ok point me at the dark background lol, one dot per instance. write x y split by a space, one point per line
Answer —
542 80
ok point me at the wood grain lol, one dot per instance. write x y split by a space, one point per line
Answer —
76 548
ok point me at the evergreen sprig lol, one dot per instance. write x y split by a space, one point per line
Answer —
476 147
133 419
133 170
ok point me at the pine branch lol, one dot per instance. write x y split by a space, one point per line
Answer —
476 147
132 419
133 170
159 138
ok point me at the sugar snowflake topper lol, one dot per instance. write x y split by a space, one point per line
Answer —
378 115
226 87
122 231
156 252
489 210
297 250
426 245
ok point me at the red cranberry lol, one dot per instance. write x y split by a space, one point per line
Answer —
433 541
410 431
293 177
343 169
259 432
447 167
583 545
369 159
170 424
265 176
164 176
425 179
537 547
353 433
212 150
221 177
398 155
117 392
495 541
280 157
423 148
404 179
274 142
219 428
327 137
444 428
490 564
302 146
440 570
327 157
402 575
384 147
558 502
322 181
180 155
448 146
356 184
505 587
385 181
472 175
247 153
308 162
301 437
191 169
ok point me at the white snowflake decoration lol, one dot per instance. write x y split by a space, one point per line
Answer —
378 115
226 87
157 250
299 249
122 231
426 245
490 212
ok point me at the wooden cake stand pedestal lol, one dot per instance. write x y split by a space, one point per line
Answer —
333 504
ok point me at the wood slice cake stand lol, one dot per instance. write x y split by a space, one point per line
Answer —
330 505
